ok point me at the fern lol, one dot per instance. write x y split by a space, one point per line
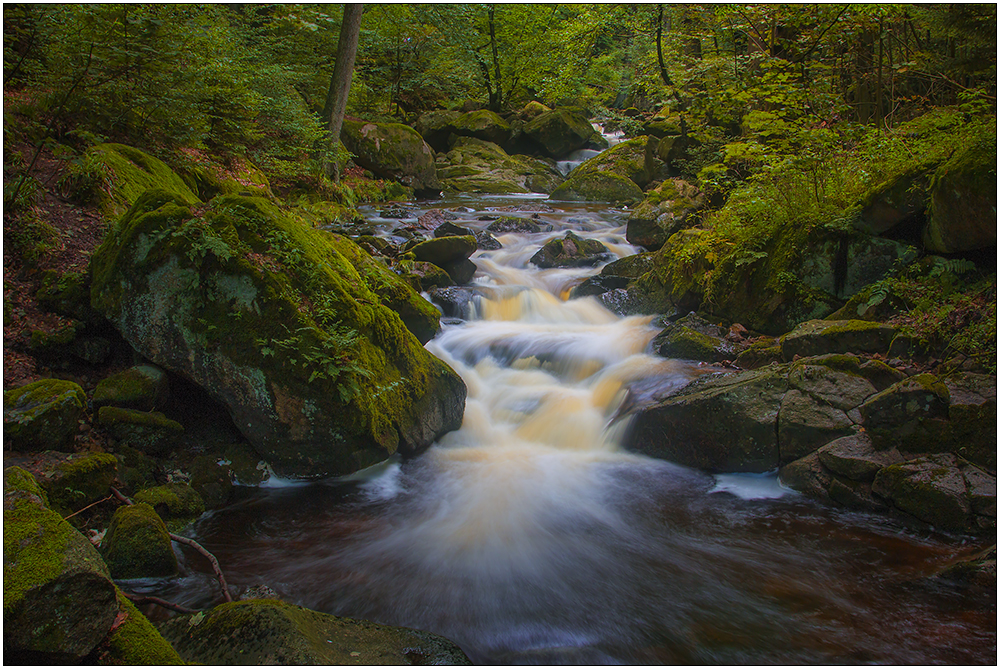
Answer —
880 291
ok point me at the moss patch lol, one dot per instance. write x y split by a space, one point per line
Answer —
42 415
176 503
137 544
135 641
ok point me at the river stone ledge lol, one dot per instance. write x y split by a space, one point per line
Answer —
840 431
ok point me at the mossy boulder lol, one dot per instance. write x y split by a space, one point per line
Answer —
911 415
134 641
598 187
137 544
42 415
393 151
972 412
445 250
818 337
80 480
672 206
212 479
805 424
559 133
930 488
719 423
477 166
178 504
963 207
143 387
209 179
482 124
287 326
617 175
506 224
267 631
855 457
58 598
148 431
436 127
570 250
693 338
532 109
115 175
902 198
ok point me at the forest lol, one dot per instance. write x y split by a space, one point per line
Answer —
441 301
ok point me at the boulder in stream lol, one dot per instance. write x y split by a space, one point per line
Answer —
559 133
289 327
570 250
393 151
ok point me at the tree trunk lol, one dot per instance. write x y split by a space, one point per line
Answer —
659 49
343 69
495 101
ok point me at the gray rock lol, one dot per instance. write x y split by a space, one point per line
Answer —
842 390
855 457
819 337
931 489
805 424
42 415
808 476
910 415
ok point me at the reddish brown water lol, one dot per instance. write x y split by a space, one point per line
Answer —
530 536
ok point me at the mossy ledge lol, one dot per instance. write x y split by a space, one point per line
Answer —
285 325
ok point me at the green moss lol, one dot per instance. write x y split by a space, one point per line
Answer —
67 294
137 544
15 478
135 641
176 503
598 187
116 175
82 480
139 387
43 414
32 237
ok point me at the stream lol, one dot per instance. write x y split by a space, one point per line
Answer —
530 536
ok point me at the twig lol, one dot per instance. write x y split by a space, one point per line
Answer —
145 599
88 506
193 544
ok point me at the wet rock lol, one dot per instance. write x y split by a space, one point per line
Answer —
134 641
692 338
445 250
559 133
909 415
617 175
719 423
570 250
476 166
931 489
834 379
424 275
972 412
855 494
143 387
506 224
137 544
448 229
59 600
819 337
982 489
808 476
487 242
598 285
396 212
855 457
212 479
42 415
266 631
461 271
453 301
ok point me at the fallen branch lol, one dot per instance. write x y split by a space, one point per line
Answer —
220 577
145 599
88 506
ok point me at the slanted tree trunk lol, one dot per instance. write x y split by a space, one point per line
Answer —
340 82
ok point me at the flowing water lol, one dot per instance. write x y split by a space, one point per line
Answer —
531 536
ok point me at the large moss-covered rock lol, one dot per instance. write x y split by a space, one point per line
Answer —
931 488
482 124
143 387
42 415
617 175
559 133
115 175
901 198
805 424
720 423
444 250
210 179
137 544
267 631
58 598
570 250
972 412
285 325
671 206
80 480
436 127
693 338
148 431
178 504
393 151
963 208
910 415
134 641
818 337
476 166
